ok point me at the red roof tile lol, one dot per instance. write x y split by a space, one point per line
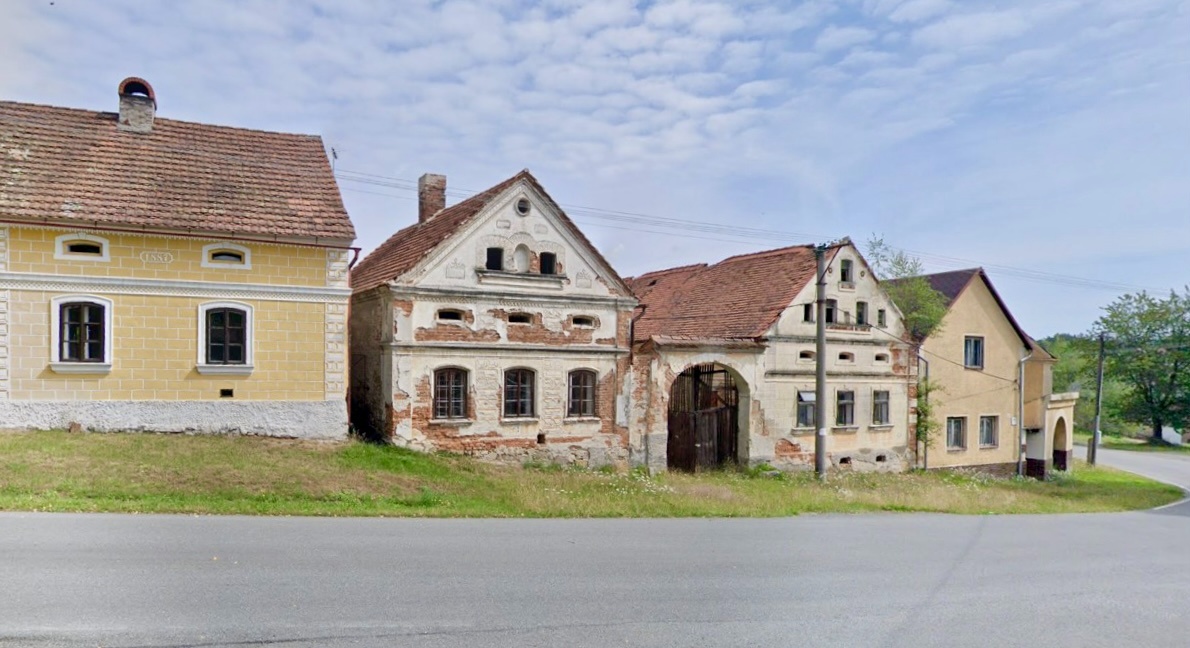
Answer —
739 297
73 166
405 249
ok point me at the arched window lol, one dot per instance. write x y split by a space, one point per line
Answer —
81 247
846 356
583 320
519 393
581 393
225 338
82 334
226 256
520 257
450 393
450 315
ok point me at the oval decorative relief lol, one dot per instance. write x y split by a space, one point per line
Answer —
157 257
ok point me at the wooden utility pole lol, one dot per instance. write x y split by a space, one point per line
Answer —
1093 446
820 374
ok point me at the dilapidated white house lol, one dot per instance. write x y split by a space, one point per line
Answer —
492 327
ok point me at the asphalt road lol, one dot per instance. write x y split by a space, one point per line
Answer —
831 580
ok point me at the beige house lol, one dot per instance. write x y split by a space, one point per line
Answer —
724 365
494 328
977 361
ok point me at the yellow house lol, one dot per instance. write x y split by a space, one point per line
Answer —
162 275
978 362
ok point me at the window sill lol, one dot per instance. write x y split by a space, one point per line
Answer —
845 429
881 427
803 431
95 368
956 449
973 367
989 447
224 370
581 419
452 422
519 419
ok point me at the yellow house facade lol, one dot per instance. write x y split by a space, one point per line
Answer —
992 381
167 276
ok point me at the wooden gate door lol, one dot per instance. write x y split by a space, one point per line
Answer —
703 419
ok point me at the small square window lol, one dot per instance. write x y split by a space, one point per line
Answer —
495 260
548 263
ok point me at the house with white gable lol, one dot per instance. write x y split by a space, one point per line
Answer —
494 328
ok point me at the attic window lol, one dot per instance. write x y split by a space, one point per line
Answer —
450 315
846 274
520 318
805 355
523 206
85 247
495 259
583 320
846 357
549 263
881 357
226 256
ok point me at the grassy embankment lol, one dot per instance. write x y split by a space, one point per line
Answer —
148 473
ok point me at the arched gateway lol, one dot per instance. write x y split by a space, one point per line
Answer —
704 422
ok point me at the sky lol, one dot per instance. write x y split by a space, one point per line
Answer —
1045 140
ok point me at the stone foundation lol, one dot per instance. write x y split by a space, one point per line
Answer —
297 419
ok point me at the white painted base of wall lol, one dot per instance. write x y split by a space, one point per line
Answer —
296 419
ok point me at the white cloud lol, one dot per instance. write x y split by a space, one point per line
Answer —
972 30
836 38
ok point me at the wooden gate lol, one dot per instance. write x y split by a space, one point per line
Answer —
703 419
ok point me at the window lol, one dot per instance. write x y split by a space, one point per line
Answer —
846 357
81 247
581 400
881 319
845 271
808 312
861 313
548 263
805 409
880 415
495 258
523 206
845 408
82 332
973 352
519 393
224 338
988 433
226 255
956 433
881 357
805 356
450 315
81 327
831 306
583 320
450 393
520 318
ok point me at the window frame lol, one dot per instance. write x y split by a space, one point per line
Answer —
243 369
831 314
861 313
962 433
845 407
590 399
995 426
520 412
541 258
59 365
979 348
846 271
455 405
61 253
877 409
487 264
211 249
806 404
881 317
808 312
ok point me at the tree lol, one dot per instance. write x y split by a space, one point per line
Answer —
1150 351
922 307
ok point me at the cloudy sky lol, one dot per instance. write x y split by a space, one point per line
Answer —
1047 140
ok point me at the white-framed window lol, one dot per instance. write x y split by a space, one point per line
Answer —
989 436
845 408
956 433
225 339
880 402
81 334
79 246
973 352
226 256
805 409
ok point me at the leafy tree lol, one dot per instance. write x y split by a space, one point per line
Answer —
1149 351
923 307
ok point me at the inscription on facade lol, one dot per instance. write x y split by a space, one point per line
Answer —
156 257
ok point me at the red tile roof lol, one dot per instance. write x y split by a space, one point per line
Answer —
73 166
405 249
739 297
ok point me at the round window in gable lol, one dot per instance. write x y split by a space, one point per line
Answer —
523 206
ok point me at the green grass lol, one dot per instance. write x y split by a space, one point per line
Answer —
149 473
1144 444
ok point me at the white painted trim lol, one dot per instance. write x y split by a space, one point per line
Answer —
200 289
249 342
62 254
211 248
56 362
101 368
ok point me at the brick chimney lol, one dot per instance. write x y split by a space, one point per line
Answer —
138 105
431 196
